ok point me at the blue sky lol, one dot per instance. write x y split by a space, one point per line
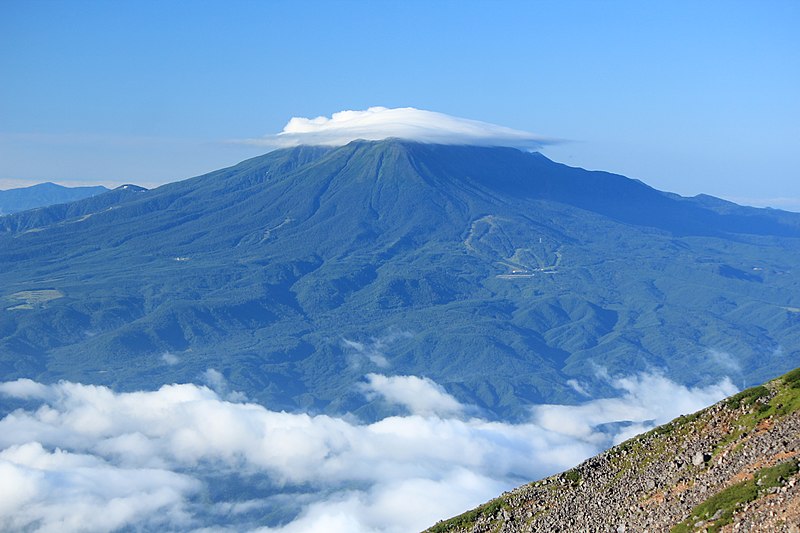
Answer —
687 96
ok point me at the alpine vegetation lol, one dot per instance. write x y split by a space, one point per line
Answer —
730 467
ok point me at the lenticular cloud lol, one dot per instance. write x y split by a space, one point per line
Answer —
378 123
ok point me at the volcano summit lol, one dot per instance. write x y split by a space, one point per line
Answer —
505 277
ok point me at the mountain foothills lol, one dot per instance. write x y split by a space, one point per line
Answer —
730 467
42 195
504 276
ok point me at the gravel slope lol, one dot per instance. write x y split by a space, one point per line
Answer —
730 467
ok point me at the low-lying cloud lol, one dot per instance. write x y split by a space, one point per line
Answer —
377 123
371 352
647 400
170 358
421 396
374 350
55 490
83 457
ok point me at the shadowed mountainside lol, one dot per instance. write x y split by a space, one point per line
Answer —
41 195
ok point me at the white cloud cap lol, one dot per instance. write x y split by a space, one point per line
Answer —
378 123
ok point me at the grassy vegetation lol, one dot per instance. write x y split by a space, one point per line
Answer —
785 400
747 397
470 517
573 476
775 476
776 399
638 452
724 504
674 425
792 379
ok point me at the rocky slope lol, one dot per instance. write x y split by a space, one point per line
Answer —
730 467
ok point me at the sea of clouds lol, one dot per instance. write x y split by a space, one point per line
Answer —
377 123
77 457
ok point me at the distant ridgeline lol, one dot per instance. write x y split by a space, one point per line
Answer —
733 463
42 195
506 277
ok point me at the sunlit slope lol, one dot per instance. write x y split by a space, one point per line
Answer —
498 273
733 464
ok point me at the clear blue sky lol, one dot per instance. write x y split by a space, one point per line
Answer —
687 96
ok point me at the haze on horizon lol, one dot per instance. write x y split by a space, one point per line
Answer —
690 98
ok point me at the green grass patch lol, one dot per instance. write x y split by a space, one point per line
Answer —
573 476
792 379
776 475
725 503
470 517
747 397
785 401
669 427
686 419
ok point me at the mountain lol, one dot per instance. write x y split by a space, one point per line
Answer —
504 276
41 195
733 463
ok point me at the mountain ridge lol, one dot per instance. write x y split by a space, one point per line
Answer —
42 195
731 466
469 259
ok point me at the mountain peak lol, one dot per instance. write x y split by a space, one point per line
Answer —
43 194
534 264
130 187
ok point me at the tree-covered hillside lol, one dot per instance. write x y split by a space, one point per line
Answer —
504 276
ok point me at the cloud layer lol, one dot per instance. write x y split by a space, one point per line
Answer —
185 457
377 123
